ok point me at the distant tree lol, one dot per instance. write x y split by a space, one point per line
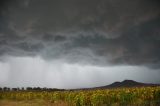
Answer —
37 89
44 89
1 89
22 88
18 89
14 89
8 89
5 89
29 88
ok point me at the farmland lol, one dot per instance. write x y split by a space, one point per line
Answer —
141 96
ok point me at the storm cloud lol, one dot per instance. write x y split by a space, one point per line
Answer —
100 33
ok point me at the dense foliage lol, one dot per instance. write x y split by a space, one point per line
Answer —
120 96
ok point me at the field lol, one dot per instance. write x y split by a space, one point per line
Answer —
144 96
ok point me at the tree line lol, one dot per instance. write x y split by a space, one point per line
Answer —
29 89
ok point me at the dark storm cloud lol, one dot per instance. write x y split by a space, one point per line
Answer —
88 31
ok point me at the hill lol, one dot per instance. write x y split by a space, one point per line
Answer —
127 83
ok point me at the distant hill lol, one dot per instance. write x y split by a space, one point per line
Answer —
126 83
123 84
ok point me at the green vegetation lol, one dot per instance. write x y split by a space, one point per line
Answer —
109 97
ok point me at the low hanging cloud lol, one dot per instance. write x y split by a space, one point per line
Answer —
96 32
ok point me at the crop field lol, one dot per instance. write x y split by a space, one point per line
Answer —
143 96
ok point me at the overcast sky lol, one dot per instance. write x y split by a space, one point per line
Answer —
78 43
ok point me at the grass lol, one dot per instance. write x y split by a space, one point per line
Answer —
30 103
144 96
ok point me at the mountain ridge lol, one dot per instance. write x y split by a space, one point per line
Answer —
127 83
123 84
